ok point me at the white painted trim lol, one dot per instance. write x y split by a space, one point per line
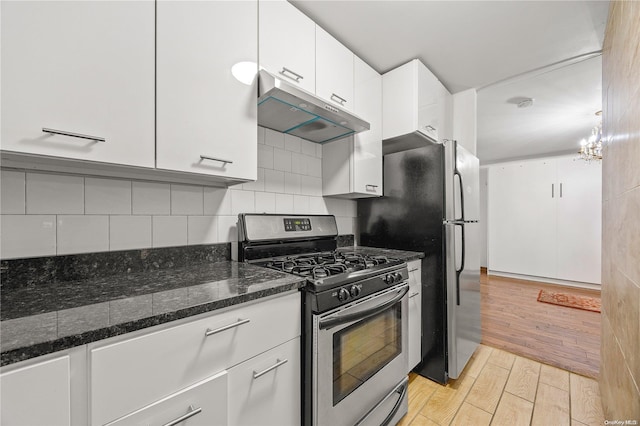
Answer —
566 283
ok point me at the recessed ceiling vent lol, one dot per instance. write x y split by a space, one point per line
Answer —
525 103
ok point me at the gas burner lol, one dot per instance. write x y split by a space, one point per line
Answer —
282 265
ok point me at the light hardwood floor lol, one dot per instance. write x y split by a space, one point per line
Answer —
500 388
513 320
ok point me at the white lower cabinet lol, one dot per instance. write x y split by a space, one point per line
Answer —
130 375
37 394
203 403
265 390
415 313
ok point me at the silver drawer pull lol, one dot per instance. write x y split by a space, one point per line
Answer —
413 295
338 99
296 77
73 135
430 128
273 367
192 412
206 157
371 187
238 323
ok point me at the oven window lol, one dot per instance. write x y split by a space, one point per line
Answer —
362 349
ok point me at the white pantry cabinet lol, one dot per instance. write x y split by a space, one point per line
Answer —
414 100
37 394
287 43
352 167
84 70
415 313
206 117
334 70
545 219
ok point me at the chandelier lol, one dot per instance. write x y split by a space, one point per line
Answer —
591 149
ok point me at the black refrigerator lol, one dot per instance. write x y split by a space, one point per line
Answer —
431 205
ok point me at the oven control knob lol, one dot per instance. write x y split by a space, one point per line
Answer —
389 279
398 276
343 295
355 291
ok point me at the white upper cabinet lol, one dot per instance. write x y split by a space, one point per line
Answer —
414 100
352 167
287 43
206 117
83 69
334 71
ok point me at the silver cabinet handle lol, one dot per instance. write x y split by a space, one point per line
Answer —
238 323
430 127
371 187
560 189
551 190
206 157
413 295
296 77
273 367
192 412
338 99
73 135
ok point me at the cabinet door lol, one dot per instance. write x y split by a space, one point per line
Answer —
265 390
334 70
38 394
206 117
287 43
522 218
204 403
367 152
579 220
80 67
415 314
429 95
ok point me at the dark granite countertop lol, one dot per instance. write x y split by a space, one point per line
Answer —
375 251
47 318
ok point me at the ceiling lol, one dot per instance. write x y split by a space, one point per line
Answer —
497 47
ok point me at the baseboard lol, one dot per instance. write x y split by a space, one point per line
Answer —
566 283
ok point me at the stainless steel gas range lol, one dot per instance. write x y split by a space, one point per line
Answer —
355 316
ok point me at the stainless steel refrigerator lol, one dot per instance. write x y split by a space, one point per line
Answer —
431 205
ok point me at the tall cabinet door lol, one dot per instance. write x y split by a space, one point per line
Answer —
206 116
82 68
522 218
579 220
334 70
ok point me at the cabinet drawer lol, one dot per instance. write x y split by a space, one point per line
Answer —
271 398
204 403
133 373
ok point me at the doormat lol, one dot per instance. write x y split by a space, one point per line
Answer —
570 300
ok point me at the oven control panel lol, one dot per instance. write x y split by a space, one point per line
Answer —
297 224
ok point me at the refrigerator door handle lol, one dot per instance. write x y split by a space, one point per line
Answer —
457 173
459 223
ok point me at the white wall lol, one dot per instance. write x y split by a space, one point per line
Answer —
484 216
465 119
53 214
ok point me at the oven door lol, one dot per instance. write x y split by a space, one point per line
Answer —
360 357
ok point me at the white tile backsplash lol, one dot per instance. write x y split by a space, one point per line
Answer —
274 138
265 202
107 196
187 200
281 160
54 194
27 236
169 231
12 191
273 181
242 202
202 230
129 232
82 233
151 198
100 214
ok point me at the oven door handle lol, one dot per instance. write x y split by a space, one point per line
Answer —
338 319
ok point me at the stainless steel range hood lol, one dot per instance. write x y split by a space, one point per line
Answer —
286 108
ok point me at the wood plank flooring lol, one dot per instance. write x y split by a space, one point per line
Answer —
500 388
513 320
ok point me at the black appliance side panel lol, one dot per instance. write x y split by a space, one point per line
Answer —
409 217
